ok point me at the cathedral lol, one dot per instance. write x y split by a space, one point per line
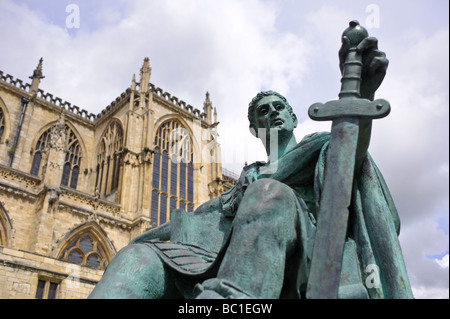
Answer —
76 187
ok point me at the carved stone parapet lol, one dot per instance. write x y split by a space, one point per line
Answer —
88 202
19 179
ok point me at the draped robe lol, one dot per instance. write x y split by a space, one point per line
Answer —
373 265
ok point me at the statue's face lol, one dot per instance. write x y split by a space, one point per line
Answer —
272 113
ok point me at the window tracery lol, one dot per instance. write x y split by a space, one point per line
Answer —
85 250
73 157
2 123
173 173
109 159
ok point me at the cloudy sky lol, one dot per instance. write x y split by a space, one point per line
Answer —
234 49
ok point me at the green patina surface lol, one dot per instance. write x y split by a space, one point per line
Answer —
257 240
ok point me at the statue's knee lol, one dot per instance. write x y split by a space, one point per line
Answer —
134 256
269 191
266 197
131 250
135 272
268 215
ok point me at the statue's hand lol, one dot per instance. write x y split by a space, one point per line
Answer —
251 176
374 61
257 173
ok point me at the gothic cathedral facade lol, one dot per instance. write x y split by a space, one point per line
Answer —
76 187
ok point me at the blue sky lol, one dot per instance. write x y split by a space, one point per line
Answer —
234 49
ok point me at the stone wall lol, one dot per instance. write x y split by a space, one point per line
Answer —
39 217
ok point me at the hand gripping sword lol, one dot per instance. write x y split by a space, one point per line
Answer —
335 200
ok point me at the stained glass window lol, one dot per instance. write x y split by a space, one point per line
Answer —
86 251
74 179
173 203
155 207
173 173
182 179
41 146
156 168
190 180
2 123
72 161
36 163
109 159
66 174
163 209
164 171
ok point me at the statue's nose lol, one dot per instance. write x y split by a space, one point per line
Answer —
273 111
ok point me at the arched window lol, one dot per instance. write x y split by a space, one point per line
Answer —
41 147
2 235
173 173
72 162
109 159
4 227
85 250
2 123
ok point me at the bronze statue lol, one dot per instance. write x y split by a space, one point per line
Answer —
257 240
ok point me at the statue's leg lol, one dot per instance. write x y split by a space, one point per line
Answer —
264 235
136 272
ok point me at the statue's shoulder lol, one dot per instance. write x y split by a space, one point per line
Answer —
312 142
315 137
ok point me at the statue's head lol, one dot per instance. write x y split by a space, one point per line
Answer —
270 110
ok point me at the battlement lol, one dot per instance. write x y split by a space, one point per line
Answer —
158 92
47 97
18 83
84 114
114 104
177 102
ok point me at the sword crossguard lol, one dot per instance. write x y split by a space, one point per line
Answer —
360 108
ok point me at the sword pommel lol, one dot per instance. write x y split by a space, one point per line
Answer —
355 33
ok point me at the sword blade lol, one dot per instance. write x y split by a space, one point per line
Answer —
333 213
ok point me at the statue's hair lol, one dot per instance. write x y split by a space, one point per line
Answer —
255 100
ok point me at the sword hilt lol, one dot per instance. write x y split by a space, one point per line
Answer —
351 73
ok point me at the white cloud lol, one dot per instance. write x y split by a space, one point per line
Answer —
419 241
443 262
430 293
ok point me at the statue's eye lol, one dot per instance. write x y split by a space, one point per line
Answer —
279 107
263 110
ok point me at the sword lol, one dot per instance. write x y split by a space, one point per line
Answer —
335 200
